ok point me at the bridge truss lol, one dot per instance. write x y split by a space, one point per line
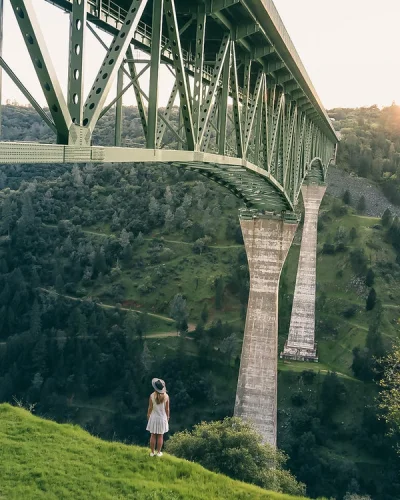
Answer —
249 117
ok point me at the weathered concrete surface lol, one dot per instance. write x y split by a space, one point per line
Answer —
267 242
301 341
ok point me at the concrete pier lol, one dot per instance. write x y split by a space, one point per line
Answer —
301 341
267 242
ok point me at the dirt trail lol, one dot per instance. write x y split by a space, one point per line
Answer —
107 306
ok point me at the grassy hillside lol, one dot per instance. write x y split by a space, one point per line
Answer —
44 460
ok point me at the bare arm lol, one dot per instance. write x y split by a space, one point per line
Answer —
167 408
150 408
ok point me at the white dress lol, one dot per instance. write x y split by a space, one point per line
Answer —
158 421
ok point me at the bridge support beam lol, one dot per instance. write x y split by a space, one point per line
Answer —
267 242
301 341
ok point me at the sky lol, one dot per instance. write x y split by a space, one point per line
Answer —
350 49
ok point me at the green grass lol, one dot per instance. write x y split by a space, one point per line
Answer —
44 460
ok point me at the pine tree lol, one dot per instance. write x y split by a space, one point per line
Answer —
59 284
6 215
219 292
178 312
374 342
361 205
346 197
35 321
77 177
27 213
124 238
169 219
146 358
386 218
371 300
370 278
168 196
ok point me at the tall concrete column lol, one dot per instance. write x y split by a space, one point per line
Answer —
301 341
267 242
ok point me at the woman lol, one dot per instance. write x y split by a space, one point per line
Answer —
158 416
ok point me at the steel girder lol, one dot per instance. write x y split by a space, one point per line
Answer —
239 91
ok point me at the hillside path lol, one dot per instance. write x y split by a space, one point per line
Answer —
178 242
106 306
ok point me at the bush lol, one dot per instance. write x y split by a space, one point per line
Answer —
298 399
370 278
371 300
350 312
308 376
232 447
328 249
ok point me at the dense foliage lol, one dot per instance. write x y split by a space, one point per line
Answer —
390 392
370 145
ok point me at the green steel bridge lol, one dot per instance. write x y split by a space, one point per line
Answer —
249 117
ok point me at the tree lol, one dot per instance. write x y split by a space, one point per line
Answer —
370 278
371 300
180 217
219 292
346 197
356 496
169 220
332 394
204 313
229 346
168 196
386 218
6 215
146 358
232 447
178 312
389 397
35 320
27 213
353 233
124 238
59 284
374 341
76 176
361 205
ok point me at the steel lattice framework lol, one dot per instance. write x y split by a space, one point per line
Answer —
250 118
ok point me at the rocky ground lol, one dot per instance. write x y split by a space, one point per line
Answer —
376 203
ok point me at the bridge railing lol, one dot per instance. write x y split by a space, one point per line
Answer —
108 8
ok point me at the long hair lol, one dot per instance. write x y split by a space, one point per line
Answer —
160 397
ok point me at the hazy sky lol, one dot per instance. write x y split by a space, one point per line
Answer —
350 49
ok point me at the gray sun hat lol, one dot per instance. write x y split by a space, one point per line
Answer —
159 385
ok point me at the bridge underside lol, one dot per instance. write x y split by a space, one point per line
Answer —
241 110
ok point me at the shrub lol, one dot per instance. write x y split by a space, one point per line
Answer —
298 399
350 311
234 448
371 300
308 376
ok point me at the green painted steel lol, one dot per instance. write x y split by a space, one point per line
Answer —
34 41
250 118
1 53
76 57
156 34
118 108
